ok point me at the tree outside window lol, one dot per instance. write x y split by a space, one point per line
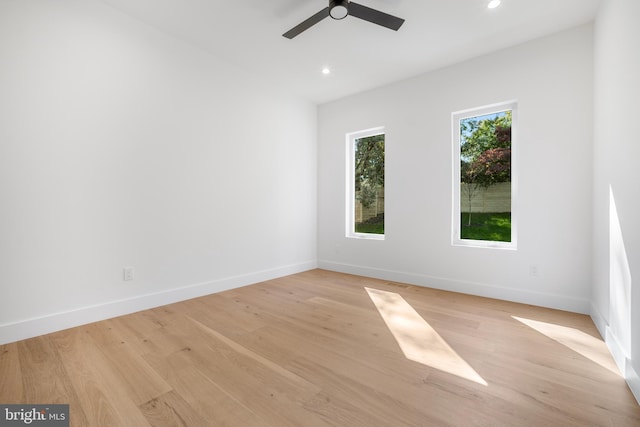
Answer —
369 184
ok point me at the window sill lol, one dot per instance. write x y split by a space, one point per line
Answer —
365 236
484 244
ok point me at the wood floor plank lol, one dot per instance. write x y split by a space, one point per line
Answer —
275 397
45 378
101 392
11 390
135 330
171 410
319 321
397 376
313 349
271 398
367 392
228 320
203 395
256 358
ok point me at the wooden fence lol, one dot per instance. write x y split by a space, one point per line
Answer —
496 198
376 208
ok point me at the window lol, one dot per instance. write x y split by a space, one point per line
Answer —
483 177
365 184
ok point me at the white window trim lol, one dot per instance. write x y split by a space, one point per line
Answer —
350 190
456 117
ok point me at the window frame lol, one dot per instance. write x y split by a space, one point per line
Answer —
350 225
456 117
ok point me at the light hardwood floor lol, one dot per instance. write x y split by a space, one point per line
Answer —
313 349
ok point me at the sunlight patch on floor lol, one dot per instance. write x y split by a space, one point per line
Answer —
582 343
417 339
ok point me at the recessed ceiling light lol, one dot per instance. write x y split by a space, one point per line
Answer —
493 4
326 71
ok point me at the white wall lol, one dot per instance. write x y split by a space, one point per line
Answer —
616 290
120 146
551 78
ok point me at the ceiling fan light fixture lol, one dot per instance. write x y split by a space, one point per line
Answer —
338 9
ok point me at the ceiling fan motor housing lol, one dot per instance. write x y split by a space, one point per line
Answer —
338 9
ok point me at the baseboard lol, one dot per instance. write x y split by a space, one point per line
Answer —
624 364
559 302
29 328
616 350
598 320
634 381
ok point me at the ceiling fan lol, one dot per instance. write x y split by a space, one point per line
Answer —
340 9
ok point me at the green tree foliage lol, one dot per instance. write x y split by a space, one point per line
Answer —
485 149
482 133
491 167
369 168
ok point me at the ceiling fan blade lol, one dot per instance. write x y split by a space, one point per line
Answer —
375 16
308 23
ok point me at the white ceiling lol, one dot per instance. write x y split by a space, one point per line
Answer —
361 55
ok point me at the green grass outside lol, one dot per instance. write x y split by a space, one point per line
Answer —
373 225
495 227
370 228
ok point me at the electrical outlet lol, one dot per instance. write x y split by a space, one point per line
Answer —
533 270
128 273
